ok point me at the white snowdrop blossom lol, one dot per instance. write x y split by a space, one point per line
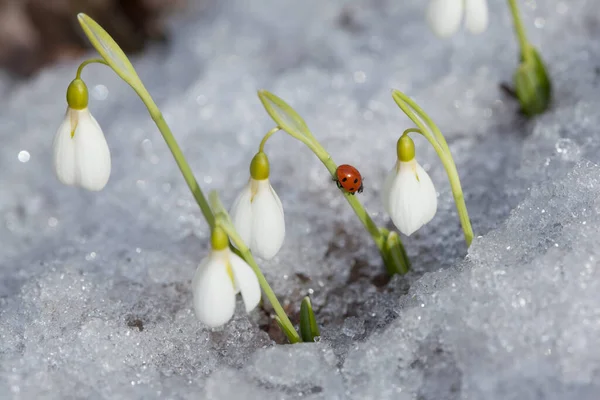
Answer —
409 196
257 215
81 154
445 16
218 278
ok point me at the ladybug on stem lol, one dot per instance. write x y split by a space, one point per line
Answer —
349 179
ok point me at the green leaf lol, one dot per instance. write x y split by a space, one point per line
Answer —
309 329
110 51
291 335
532 84
284 115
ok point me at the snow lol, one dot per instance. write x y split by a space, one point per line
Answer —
95 297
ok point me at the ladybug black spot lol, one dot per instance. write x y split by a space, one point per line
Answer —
351 190
344 180
356 180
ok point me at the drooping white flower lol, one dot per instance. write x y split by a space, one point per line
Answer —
409 196
81 154
257 212
218 278
445 16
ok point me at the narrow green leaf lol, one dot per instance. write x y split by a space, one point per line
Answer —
402 101
292 336
109 50
419 116
309 329
284 115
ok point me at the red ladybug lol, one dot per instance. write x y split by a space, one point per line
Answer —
349 179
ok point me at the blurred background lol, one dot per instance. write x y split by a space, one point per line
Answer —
35 33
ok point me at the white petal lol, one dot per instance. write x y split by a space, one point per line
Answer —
93 165
413 202
64 152
246 281
444 16
476 15
276 198
268 223
214 294
387 187
428 195
241 214
402 202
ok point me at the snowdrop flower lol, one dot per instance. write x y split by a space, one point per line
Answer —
219 277
81 154
444 16
408 193
257 213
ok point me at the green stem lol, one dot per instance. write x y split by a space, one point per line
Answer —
432 133
398 263
519 28
261 148
184 167
411 130
87 62
164 129
422 116
289 121
284 320
361 212
224 221
358 208
454 184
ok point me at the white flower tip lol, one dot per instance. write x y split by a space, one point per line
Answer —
246 282
412 199
257 215
81 159
476 16
218 278
268 225
214 293
444 16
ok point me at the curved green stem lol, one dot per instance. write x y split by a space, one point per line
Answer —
378 237
432 133
356 205
261 148
164 129
184 167
224 221
411 130
423 117
289 121
87 62
519 28
326 159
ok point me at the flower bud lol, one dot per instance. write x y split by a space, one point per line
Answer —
219 239
259 166
77 95
532 85
405 148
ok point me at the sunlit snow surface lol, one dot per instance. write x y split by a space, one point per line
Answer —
95 297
